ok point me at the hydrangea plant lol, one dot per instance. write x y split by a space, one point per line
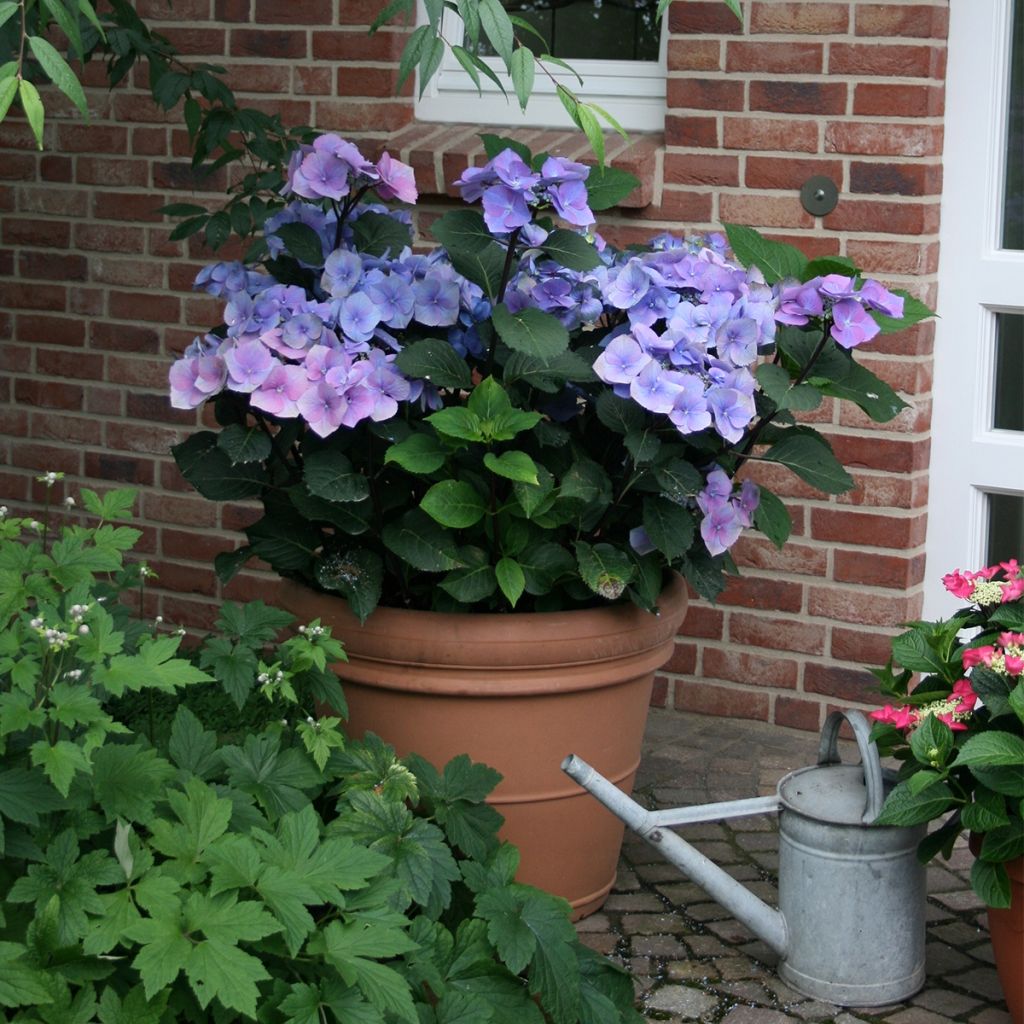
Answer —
959 733
525 417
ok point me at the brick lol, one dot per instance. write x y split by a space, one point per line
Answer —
54 202
149 141
275 44
143 373
16 358
703 17
189 544
701 169
908 218
889 19
721 700
94 170
123 338
776 58
103 401
787 97
181 511
849 604
886 490
204 41
813 18
683 660
337 115
42 233
17 167
764 211
51 266
886 178
711 94
56 362
694 55
16 295
754 630
231 10
844 684
893 571
760 133
876 99
677 206
51 330
55 168
42 458
109 238
768 594
911 258
355 45
866 647
119 468
126 273
849 526
751 669
684 130
890 60
381 83
313 81
185 579
156 409
141 306
795 713
702 620
788 172
659 692
883 139
126 207
182 10
69 429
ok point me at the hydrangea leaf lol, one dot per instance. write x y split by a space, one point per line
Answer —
461 231
669 526
435 360
513 466
608 186
571 250
604 568
211 472
811 460
509 574
902 807
475 582
776 260
991 750
244 444
421 542
454 503
378 234
418 453
772 518
531 331
535 496
991 883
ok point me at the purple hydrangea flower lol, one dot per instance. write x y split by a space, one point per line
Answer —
279 393
505 209
732 411
196 378
513 171
736 341
249 363
437 301
474 181
689 411
570 202
322 407
621 361
358 317
852 325
397 180
872 294
655 389
628 286
342 273
392 296
720 528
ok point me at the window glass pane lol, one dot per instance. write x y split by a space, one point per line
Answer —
1008 413
1005 528
589 29
1013 199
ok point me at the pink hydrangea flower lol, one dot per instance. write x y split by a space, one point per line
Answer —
397 180
902 717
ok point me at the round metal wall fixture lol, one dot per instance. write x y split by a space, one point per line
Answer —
819 195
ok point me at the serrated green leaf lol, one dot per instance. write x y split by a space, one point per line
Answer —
418 453
811 460
60 761
244 444
608 186
776 260
531 331
903 807
607 570
772 518
435 360
776 384
991 882
454 503
669 526
513 466
302 242
192 747
991 750
509 574
379 234
329 475
357 574
58 71
421 542
571 250
128 780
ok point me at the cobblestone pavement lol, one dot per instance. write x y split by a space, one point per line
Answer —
692 962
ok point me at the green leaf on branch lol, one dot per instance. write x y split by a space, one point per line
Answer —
209 469
776 260
776 384
607 570
509 574
302 242
483 266
377 234
435 360
903 807
357 574
512 466
531 331
418 453
914 311
931 742
812 460
8 90
329 475
454 503
669 526
991 883
772 518
608 186
912 650
32 105
991 749
462 231
496 144
58 71
860 386
421 542
244 444
521 69
475 582
571 250
495 22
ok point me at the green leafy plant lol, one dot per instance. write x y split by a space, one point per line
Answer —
291 877
959 732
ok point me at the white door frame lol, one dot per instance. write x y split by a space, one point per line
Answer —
976 280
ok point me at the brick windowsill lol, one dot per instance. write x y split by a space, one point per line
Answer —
440 152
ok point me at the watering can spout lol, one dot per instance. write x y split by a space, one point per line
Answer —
764 921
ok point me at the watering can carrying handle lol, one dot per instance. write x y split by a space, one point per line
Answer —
828 753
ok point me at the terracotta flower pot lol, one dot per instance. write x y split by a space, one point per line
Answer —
518 692
1006 929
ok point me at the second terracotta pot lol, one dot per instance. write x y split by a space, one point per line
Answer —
517 692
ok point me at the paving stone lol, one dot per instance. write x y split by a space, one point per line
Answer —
639 966
944 1001
601 942
659 872
965 899
687 1003
626 880
740 967
730 931
755 1015
918 1015
849 1018
682 894
941 960
708 945
691 970
707 912
635 902
812 1011
652 924
982 981
991 1015
595 923
747 991
957 934
758 840
657 945
933 913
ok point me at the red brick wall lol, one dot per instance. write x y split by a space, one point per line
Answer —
95 301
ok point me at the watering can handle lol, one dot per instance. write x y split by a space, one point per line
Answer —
828 753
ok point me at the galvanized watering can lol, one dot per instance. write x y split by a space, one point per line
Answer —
850 923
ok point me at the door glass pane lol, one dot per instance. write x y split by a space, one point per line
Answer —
588 29
1009 366
1013 198
1005 528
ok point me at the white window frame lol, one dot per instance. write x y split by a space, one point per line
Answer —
977 279
632 91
